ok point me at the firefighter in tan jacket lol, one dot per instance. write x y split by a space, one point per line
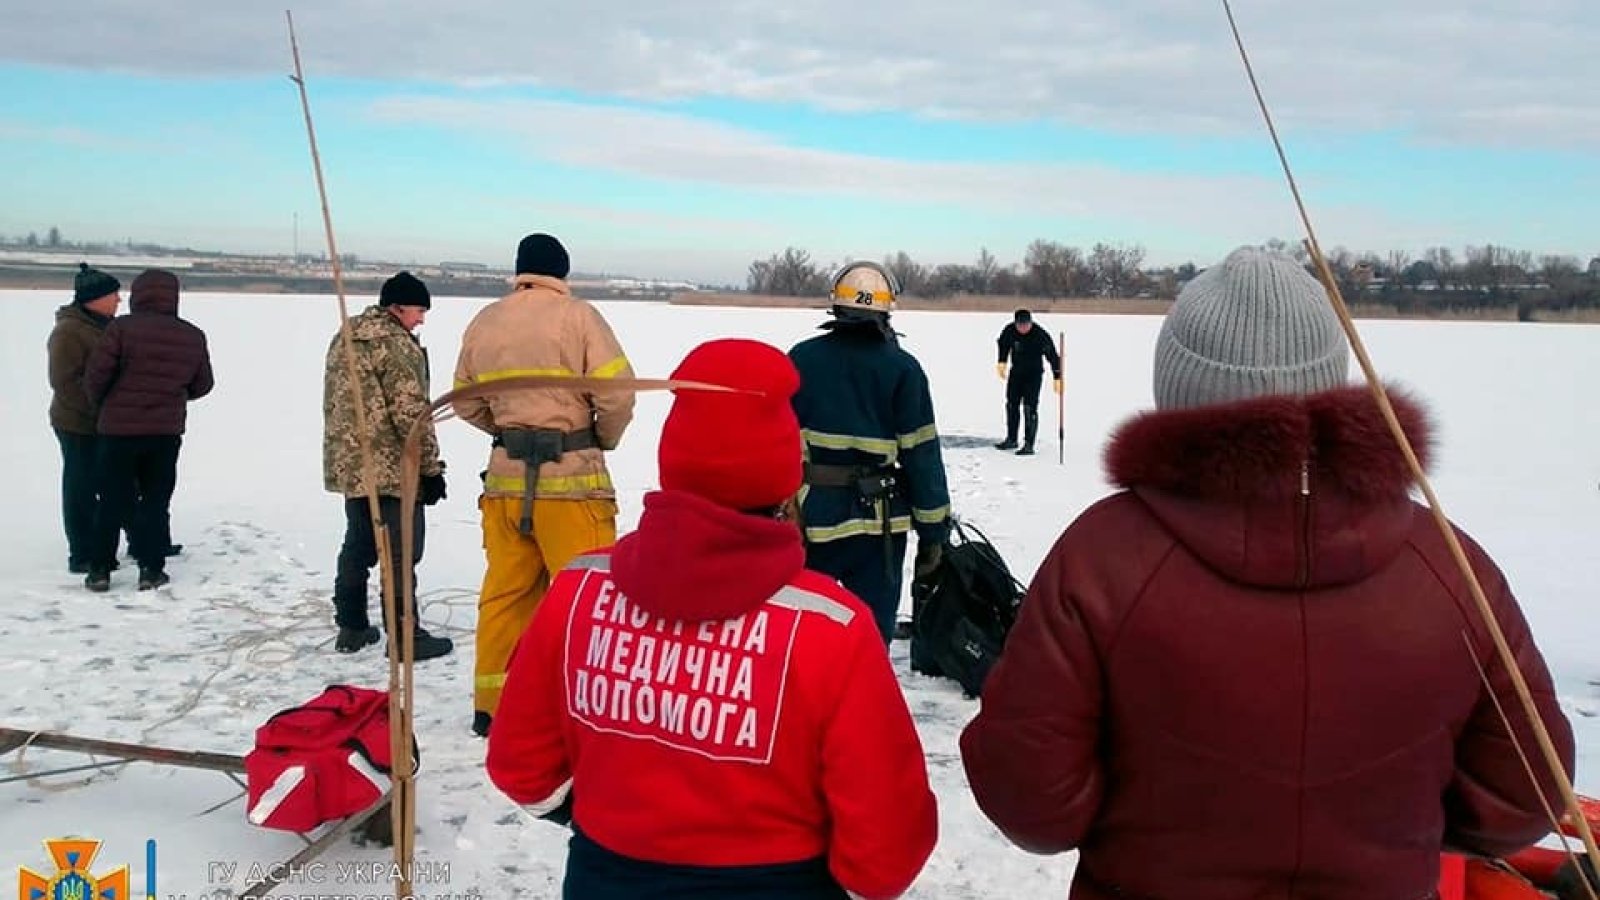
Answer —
532 529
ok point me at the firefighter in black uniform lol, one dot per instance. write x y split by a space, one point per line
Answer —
873 468
1028 348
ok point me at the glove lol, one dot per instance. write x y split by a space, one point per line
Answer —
1058 387
929 555
432 489
1000 369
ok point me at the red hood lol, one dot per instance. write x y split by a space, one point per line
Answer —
1278 491
695 561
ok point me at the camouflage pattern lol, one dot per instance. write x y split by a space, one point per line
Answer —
393 368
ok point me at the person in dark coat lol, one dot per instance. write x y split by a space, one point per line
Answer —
873 471
1028 348
142 376
1255 670
80 326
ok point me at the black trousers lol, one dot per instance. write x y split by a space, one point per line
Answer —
80 494
1022 401
137 477
857 562
359 554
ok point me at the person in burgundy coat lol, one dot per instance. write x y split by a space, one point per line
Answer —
1253 672
142 376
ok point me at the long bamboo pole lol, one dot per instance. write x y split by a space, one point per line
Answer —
1552 757
400 658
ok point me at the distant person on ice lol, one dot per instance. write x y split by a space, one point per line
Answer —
1028 349
1248 673
80 326
142 376
873 467
393 367
713 719
547 495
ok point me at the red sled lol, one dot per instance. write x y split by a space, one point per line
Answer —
322 761
1537 873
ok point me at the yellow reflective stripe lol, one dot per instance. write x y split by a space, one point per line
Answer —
859 297
502 374
611 369
922 435
569 484
490 682
854 527
931 516
884 447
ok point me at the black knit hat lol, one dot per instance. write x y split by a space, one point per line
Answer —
92 284
1021 316
405 289
541 254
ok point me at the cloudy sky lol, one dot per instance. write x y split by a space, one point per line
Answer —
683 138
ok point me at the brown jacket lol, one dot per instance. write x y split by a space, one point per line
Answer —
541 329
77 332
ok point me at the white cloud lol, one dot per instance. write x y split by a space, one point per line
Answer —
1485 71
1098 200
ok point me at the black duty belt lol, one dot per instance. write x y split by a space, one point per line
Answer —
874 485
534 447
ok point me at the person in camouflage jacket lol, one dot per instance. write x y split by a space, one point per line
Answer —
393 368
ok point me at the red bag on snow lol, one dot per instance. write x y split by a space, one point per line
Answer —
321 761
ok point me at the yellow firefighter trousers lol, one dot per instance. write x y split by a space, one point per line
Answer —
520 568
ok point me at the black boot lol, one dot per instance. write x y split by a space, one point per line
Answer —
352 639
429 646
150 579
1031 420
1010 443
480 723
98 579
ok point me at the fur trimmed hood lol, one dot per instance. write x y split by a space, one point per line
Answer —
1280 491
1254 448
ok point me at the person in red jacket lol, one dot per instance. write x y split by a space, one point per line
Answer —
1253 672
713 718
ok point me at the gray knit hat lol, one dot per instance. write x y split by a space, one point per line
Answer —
1254 324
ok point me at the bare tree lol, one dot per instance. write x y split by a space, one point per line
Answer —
912 275
1114 270
1053 270
952 279
1443 262
788 274
984 272
1555 269
1295 250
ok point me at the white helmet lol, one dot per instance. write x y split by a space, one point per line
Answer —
864 287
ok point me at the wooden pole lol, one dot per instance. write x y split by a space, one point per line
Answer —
1061 403
400 659
1552 758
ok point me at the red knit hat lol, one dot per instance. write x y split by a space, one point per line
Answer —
738 450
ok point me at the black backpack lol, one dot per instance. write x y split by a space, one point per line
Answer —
962 612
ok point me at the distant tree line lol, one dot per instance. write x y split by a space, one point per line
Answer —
1480 277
